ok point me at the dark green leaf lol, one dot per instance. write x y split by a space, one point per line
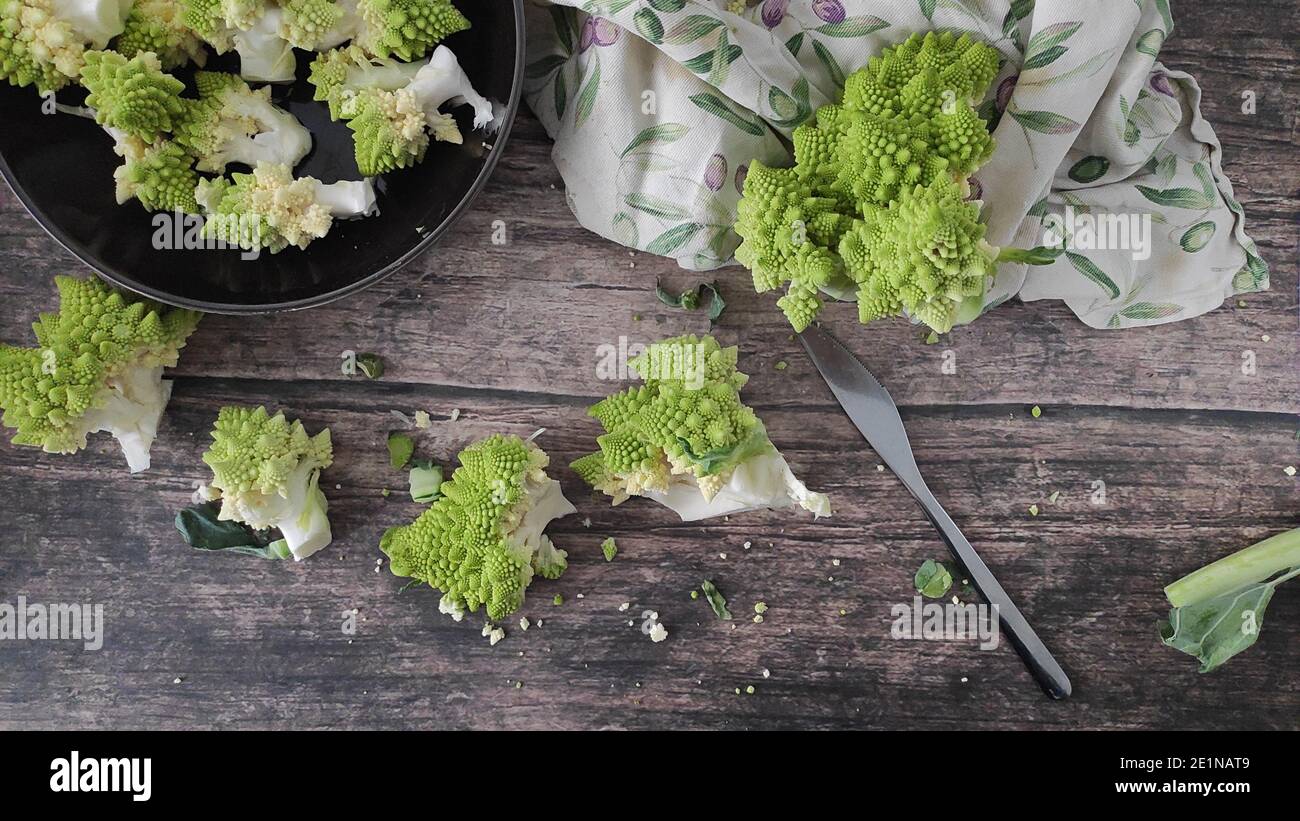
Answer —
1043 58
1052 35
1198 236
794 44
691 29
714 105
544 66
656 206
649 26
670 299
561 94
668 5
716 303
1202 172
859 26
1089 169
201 529
561 17
1046 122
1150 310
400 450
672 239
587 97
830 64
715 599
1089 269
927 8
662 133
1177 197
933 580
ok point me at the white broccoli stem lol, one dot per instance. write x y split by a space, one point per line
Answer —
761 482
443 81
309 530
281 138
264 56
132 411
97 21
347 199
528 541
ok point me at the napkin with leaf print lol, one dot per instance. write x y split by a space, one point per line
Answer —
658 106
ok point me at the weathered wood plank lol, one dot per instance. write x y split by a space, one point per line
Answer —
1182 489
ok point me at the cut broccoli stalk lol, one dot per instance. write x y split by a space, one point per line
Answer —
1218 610
265 56
763 482
347 199
98 21
133 407
232 123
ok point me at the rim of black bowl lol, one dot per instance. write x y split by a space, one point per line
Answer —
501 137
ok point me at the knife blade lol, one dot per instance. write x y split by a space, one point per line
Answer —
875 414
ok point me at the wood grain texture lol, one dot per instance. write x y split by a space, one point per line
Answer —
1191 452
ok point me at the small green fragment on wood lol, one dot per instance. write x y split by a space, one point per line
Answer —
716 600
610 548
400 450
1035 411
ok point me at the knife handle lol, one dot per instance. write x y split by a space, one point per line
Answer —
1042 665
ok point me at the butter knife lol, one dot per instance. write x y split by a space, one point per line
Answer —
876 417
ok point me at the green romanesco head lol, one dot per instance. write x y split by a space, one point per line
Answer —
160 175
475 543
305 23
253 452
907 119
97 336
407 29
925 254
42 44
134 96
388 130
158 26
686 419
788 235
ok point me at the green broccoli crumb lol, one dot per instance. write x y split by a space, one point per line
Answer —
400 450
782 365
610 548
558 600
1035 411
1033 510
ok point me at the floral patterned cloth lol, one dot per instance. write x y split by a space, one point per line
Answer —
657 106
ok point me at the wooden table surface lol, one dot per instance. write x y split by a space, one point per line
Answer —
1191 452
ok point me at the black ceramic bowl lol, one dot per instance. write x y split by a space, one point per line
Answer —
61 167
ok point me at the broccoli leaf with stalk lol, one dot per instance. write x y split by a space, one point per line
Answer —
1218 610
690 299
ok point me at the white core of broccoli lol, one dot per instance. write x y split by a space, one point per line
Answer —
133 408
300 515
443 81
760 482
98 21
264 56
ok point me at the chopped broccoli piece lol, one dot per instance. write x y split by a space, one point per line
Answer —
716 600
426 482
158 26
44 42
98 367
267 472
134 96
400 450
685 439
610 548
232 123
482 541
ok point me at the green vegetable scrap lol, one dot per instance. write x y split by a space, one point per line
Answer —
610 548
400 449
426 481
1218 610
716 600
933 580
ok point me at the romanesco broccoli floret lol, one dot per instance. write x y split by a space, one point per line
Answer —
393 108
159 174
272 209
266 471
907 123
685 439
925 254
232 123
43 42
98 367
134 96
159 26
482 541
406 29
